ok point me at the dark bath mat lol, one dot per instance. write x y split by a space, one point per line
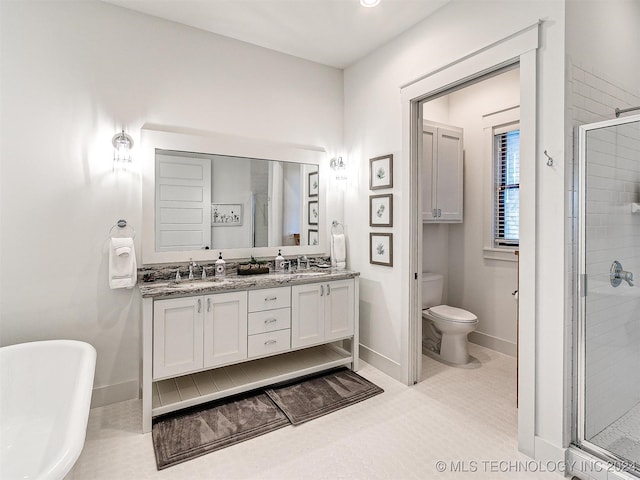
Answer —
194 432
313 397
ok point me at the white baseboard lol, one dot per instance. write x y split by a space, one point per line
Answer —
494 343
382 363
114 393
547 452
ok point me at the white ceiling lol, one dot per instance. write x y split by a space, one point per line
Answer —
332 32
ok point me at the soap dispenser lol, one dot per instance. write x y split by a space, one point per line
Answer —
279 262
221 267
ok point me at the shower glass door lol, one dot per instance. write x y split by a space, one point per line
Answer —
608 340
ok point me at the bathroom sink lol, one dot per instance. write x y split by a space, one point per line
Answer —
198 284
308 274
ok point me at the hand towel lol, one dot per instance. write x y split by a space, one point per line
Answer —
123 269
338 250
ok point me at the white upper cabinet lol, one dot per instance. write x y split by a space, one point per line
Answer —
442 173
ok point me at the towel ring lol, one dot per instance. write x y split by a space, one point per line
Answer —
121 225
336 227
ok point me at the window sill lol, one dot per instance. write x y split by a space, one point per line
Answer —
503 254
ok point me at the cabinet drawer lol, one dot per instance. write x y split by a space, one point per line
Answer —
268 343
269 320
269 299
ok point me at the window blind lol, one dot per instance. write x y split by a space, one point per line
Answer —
507 188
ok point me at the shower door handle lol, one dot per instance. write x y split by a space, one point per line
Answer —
617 275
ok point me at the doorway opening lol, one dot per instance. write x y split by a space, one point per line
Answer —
518 49
468 160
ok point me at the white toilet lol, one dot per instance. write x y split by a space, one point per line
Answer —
448 340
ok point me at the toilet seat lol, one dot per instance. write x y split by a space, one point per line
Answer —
452 314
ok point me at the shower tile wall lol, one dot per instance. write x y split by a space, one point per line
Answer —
613 233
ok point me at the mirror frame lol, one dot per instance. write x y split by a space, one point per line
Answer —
173 138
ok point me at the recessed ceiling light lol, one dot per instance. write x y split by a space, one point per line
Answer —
369 3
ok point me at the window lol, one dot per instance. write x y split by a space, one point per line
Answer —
506 161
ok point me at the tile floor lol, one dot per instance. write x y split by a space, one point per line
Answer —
455 415
622 437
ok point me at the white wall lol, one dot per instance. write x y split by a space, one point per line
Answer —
373 126
480 285
73 73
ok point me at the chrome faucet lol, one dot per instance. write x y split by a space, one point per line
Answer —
191 265
617 275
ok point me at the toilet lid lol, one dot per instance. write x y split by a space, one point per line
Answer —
452 313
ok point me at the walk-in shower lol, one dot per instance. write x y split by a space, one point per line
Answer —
608 293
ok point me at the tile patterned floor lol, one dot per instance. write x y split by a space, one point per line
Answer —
622 437
463 417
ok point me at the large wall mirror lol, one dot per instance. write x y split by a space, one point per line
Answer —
206 192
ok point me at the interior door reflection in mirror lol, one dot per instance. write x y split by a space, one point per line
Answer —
205 201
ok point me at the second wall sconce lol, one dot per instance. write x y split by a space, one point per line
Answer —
339 167
122 144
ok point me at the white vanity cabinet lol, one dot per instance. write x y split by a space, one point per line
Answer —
321 312
193 333
177 336
269 321
199 346
442 173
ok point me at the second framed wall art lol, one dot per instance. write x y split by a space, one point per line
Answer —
381 210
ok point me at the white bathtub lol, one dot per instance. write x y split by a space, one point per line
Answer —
45 395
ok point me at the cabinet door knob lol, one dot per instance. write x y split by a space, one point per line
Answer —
328 290
199 305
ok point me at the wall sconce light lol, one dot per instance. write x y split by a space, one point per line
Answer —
339 167
122 144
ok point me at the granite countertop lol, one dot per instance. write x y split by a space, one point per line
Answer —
171 288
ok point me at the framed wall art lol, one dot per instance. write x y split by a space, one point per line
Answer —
381 249
381 210
313 186
313 213
226 214
312 237
381 172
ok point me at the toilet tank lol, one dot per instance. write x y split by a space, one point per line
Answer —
432 284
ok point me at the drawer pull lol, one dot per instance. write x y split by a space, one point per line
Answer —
270 342
208 304
270 299
199 305
321 290
328 289
270 320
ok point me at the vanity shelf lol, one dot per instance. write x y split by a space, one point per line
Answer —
188 390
